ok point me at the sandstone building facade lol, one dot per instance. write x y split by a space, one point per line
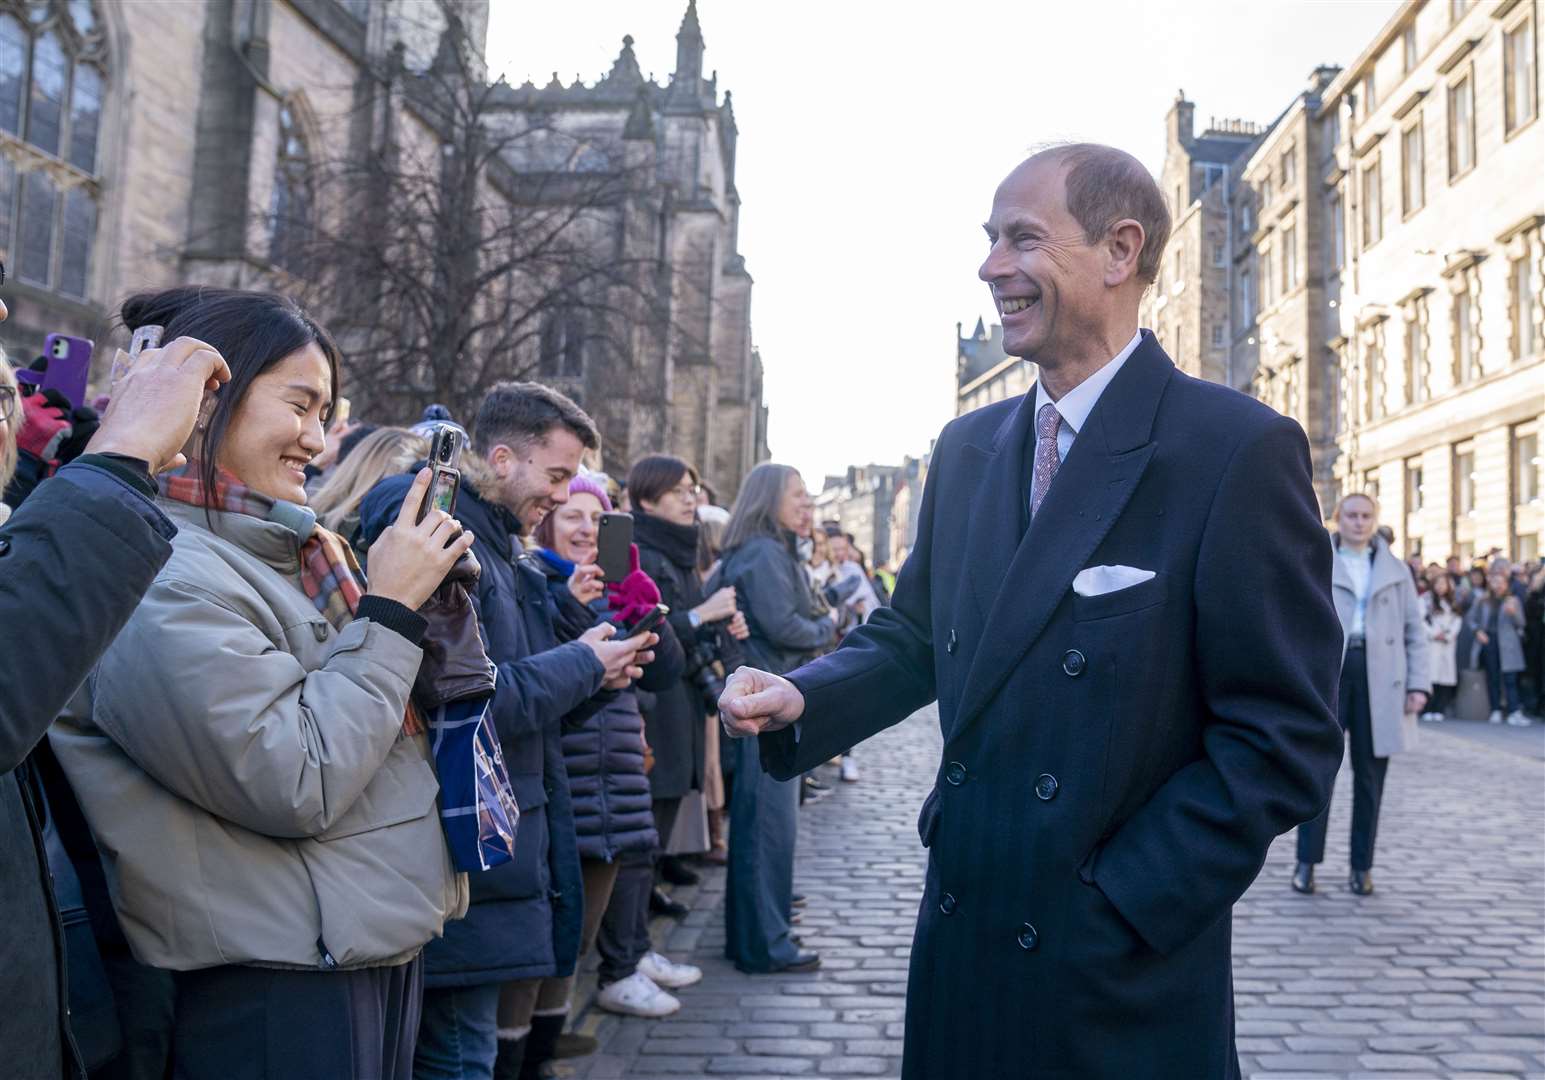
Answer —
984 373
1440 337
1371 264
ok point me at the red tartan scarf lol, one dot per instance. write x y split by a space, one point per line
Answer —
329 574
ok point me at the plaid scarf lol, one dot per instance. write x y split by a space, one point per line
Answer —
329 574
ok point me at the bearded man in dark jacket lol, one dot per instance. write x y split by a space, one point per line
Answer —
524 921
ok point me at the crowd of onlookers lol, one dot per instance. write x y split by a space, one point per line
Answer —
249 629
1487 619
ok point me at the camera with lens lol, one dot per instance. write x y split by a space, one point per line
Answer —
838 593
705 676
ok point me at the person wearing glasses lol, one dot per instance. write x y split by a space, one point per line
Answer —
663 492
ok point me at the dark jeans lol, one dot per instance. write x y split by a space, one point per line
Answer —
624 938
146 999
1367 772
458 1038
1501 686
1442 699
247 1023
764 815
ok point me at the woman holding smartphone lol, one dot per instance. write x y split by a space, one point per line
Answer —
261 790
788 626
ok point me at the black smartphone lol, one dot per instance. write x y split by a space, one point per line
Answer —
648 622
613 539
444 461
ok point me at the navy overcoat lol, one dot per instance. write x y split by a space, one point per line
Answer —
1114 766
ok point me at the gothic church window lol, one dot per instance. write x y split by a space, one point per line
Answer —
562 345
291 206
52 90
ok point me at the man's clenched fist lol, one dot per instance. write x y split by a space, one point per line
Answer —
756 701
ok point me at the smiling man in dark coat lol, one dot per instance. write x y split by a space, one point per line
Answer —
1120 598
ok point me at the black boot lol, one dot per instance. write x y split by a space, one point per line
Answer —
676 872
571 1044
660 904
1361 882
539 1044
1303 878
512 1055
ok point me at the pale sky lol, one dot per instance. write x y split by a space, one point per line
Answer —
873 134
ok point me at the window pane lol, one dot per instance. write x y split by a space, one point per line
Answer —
7 200
1415 192
37 230
1461 127
81 14
1518 58
13 72
50 72
85 116
80 224
1523 307
1527 468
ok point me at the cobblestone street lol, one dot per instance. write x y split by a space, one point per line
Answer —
1440 974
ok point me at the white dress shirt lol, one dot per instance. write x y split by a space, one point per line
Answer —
1075 406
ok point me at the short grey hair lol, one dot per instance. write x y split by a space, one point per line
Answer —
1105 185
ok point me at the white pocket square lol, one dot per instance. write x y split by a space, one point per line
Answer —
1099 580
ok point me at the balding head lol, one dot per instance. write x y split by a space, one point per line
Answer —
1104 185
1077 232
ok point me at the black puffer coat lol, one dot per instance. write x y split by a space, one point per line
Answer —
675 721
604 752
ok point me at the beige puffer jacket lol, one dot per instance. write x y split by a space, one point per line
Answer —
245 772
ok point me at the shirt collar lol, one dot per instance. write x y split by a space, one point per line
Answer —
1076 405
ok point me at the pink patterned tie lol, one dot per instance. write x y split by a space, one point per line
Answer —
1047 421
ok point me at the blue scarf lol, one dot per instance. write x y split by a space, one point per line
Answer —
557 562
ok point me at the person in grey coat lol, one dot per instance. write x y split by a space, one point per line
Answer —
1385 680
1496 624
75 560
787 629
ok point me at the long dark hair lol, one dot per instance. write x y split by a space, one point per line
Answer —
756 507
252 330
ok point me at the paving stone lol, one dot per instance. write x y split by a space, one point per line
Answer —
1439 974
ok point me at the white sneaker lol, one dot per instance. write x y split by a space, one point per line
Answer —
637 995
1517 718
849 770
667 973
1495 717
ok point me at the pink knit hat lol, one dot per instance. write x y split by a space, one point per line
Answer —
589 484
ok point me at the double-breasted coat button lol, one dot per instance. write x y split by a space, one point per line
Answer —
1046 787
1073 663
319 631
5 546
955 774
1028 938
947 904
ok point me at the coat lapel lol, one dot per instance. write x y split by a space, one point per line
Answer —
995 536
1090 491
